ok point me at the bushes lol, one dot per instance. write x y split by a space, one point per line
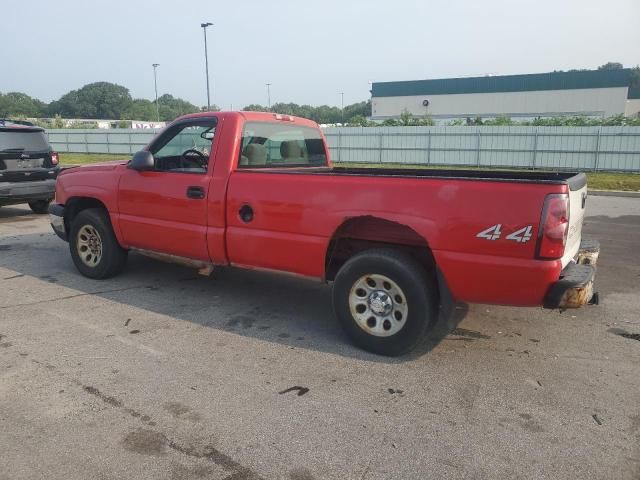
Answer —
575 121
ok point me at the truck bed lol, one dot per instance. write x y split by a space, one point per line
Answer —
574 180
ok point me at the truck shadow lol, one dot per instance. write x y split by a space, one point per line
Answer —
269 307
16 214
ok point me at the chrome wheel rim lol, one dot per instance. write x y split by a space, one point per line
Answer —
89 246
378 305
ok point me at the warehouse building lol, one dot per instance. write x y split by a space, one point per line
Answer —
593 93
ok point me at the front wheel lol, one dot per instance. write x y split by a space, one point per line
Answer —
384 300
94 247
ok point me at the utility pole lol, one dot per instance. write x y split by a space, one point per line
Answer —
206 61
342 103
268 95
155 83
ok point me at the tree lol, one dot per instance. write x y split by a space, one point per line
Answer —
611 66
320 114
140 109
16 104
360 121
254 107
100 100
357 109
172 107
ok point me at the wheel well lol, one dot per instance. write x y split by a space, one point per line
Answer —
75 205
363 233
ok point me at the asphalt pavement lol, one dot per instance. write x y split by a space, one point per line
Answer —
163 374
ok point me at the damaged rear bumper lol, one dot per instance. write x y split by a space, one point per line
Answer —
575 287
589 252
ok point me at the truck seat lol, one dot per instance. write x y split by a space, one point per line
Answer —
254 154
291 152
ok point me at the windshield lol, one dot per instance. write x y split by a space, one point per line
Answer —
30 141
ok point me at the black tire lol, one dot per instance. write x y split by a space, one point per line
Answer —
413 281
40 206
113 258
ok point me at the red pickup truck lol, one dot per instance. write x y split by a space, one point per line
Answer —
257 190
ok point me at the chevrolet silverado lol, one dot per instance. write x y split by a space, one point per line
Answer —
257 190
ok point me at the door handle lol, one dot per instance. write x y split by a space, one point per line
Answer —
246 213
195 192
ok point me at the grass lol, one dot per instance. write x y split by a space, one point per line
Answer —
596 180
85 158
629 182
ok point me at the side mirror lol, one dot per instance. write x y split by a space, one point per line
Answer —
142 161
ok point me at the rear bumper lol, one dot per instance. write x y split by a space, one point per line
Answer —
21 192
575 287
56 215
589 252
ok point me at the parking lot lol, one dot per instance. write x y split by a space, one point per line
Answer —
160 373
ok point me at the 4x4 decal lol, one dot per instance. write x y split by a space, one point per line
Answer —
494 232
523 235
491 233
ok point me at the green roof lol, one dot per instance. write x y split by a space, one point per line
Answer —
506 83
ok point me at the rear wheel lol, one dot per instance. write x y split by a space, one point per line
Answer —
94 248
40 206
384 300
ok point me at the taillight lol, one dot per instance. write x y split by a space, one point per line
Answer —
54 158
554 226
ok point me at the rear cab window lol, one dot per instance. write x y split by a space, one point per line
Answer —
277 145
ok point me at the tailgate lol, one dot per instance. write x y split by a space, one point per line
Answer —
577 203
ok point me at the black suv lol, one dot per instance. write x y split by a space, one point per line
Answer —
28 166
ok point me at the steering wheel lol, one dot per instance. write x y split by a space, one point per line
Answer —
202 159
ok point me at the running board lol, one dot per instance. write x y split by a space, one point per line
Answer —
204 268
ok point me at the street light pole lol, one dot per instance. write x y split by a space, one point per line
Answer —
155 83
206 61
342 103
268 95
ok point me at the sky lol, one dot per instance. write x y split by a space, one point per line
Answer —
308 51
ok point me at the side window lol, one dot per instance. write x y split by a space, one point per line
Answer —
274 145
185 147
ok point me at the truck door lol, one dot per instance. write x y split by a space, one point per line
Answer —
271 211
165 209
